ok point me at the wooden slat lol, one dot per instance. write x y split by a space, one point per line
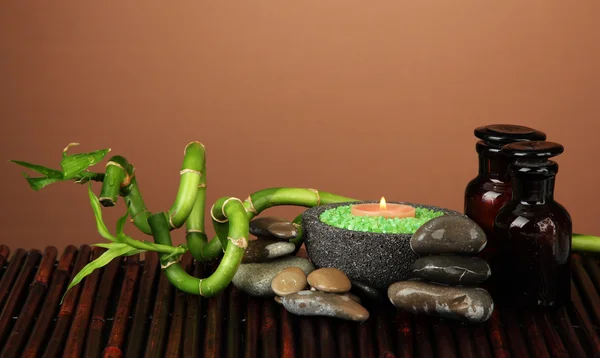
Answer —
4 254
10 274
193 323
81 320
14 301
61 329
156 340
137 318
50 306
116 340
94 337
174 342
37 291
143 307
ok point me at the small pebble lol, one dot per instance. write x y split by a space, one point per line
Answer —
266 249
255 278
329 279
460 303
452 270
278 300
316 303
453 234
273 227
289 280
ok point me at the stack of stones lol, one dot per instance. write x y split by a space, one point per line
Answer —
329 294
447 272
270 269
268 254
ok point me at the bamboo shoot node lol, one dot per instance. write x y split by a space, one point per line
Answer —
184 171
241 242
167 264
318 196
251 208
214 218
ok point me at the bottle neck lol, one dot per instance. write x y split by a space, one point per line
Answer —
494 166
533 189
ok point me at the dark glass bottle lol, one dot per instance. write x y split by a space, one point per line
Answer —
533 232
491 189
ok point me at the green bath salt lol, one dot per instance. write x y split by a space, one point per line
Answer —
342 217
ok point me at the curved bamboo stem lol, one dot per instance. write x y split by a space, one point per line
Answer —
234 212
118 174
191 172
195 235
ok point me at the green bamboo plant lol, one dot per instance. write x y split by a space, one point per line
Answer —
230 216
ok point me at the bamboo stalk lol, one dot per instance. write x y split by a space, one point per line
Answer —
116 340
79 327
11 273
177 316
93 346
142 307
195 232
158 326
50 305
117 171
37 290
61 329
17 291
191 172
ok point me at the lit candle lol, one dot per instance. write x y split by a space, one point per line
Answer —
383 209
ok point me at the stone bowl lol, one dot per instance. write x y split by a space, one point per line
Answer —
374 259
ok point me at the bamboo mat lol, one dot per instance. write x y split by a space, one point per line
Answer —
129 309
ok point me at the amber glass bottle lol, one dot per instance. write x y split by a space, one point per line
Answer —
491 189
533 232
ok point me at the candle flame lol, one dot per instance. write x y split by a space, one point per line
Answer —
382 204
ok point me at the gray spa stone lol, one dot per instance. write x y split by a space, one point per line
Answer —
273 227
452 270
448 235
375 259
369 295
255 278
266 249
316 303
461 303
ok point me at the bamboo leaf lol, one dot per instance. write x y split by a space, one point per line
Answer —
40 182
48 172
98 214
121 225
76 163
114 251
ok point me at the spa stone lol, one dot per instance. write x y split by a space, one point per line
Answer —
375 259
255 278
329 279
289 280
266 249
452 270
460 303
369 295
316 303
273 227
448 234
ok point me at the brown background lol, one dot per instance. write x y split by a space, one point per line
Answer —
361 98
